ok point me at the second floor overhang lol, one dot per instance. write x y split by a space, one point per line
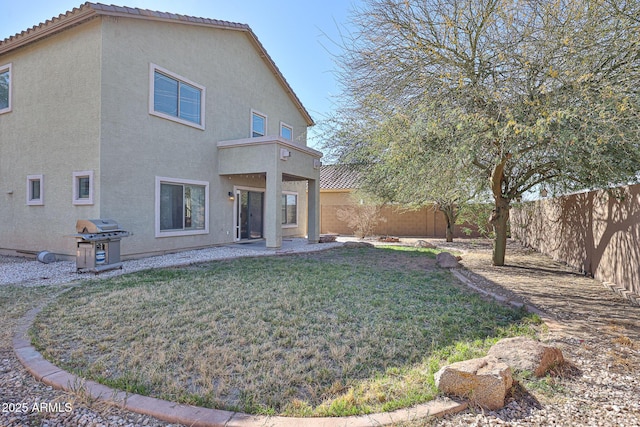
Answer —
268 155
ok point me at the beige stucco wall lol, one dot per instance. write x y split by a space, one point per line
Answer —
236 80
52 130
300 188
263 155
593 232
101 71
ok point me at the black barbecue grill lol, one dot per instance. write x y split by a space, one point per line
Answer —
98 245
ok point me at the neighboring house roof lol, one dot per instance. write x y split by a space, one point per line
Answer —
89 11
340 177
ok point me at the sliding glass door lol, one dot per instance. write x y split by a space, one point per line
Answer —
249 214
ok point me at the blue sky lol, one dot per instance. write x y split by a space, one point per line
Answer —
299 35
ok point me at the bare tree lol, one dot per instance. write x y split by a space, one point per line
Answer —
363 215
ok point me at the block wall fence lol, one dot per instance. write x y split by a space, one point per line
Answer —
596 232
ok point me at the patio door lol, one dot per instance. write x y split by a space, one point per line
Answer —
249 215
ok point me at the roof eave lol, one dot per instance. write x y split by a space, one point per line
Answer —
48 28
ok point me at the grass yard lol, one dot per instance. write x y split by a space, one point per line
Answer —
341 332
15 301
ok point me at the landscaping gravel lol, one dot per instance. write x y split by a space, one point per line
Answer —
597 331
21 271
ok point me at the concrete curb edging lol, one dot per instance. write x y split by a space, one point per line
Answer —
48 373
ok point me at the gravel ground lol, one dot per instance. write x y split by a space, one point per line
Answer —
25 272
600 339
598 333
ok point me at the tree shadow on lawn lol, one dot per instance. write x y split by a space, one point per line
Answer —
340 332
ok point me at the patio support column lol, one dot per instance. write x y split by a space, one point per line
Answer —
313 211
273 210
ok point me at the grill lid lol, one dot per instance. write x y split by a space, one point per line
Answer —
92 226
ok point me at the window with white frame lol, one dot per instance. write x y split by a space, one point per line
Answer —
175 98
5 88
35 190
182 207
258 124
286 131
289 209
83 188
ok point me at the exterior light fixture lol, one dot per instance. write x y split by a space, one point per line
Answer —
231 197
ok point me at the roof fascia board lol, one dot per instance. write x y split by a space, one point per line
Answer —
47 29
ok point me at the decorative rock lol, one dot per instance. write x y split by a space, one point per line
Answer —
423 244
526 354
327 238
446 260
484 381
357 245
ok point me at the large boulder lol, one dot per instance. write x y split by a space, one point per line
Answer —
526 354
484 381
327 238
446 260
424 244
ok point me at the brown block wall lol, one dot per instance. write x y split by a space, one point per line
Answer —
424 222
593 232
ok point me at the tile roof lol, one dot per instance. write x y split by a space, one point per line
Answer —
340 177
126 11
88 11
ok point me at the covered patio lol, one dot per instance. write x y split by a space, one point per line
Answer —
278 160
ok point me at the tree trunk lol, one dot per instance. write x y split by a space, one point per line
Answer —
449 232
500 214
499 220
449 212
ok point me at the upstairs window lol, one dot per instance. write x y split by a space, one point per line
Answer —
5 88
176 98
286 131
258 124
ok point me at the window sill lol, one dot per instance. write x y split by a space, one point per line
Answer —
177 120
180 233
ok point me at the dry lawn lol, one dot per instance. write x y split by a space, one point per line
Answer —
335 333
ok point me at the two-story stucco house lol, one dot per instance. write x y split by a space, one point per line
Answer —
181 129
